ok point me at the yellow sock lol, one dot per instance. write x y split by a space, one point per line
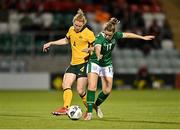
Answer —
83 97
67 97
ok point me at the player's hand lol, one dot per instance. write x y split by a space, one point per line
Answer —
99 57
149 37
86 50
46 46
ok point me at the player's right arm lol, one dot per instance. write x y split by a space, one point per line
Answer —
98 52
97 46
62 41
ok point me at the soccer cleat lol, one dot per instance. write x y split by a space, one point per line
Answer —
60 111
98 111
88 116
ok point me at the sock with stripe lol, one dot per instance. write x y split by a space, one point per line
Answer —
67 97
101 98
90 100
83 97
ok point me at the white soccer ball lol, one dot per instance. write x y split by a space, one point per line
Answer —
74 112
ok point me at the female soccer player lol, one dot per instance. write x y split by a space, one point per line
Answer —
80 37
100 64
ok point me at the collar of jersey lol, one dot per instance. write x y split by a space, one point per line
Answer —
81 29
104 36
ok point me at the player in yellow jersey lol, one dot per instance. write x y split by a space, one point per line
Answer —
80 37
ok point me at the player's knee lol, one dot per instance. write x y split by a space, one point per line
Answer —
92 87
80 91
65 86
107 90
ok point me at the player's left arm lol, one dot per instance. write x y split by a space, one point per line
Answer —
133 35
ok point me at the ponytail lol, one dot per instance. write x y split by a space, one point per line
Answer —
114 21
110 26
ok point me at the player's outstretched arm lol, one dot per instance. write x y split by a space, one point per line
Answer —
133 35
62 41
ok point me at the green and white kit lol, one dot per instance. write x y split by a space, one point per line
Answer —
104 66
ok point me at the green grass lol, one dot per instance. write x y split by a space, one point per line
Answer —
123 109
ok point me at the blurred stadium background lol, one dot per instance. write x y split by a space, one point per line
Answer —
25 25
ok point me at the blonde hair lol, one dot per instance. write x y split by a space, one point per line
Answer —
80 16
111 25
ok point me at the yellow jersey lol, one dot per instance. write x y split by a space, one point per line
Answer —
80 41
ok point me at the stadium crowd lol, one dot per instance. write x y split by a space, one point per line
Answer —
49 16
25 25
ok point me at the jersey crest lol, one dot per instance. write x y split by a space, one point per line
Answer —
82 69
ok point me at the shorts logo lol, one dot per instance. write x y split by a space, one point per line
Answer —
82 69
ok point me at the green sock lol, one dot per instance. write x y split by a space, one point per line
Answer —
90 100
101 98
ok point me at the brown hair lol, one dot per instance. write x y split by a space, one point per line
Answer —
111 25
80 17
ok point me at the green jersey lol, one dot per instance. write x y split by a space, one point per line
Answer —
106 48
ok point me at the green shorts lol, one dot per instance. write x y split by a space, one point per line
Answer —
78 70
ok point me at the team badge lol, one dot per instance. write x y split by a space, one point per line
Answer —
82 69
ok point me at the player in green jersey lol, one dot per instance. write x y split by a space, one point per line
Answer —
100 64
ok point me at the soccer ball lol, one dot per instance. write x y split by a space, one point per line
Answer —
74 112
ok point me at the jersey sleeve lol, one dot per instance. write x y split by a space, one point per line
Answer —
98 40
91 38
119 35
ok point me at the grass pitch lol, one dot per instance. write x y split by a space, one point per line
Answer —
123 109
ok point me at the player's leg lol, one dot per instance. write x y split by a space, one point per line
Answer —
92 86
81 89
93 74
106 79
106 90
68 80
82 81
